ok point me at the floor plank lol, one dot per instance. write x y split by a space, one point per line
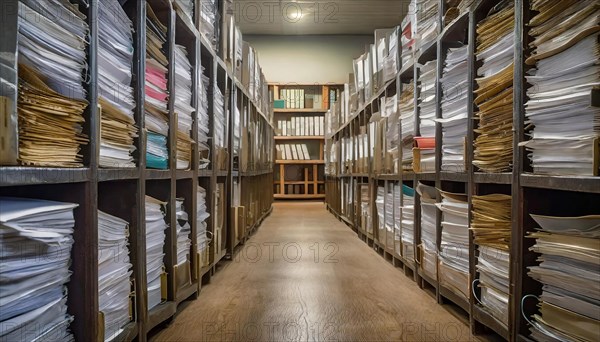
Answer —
304 276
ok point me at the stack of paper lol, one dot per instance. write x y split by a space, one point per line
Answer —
464 5
491 226
392 134
183 108
209 21
494 93
390 218
407 123
36 237
156 100
114 273
397 219
407 38
427 22
454 246
454 109
201 216
115 94
379 204
219 119
365 200
155 242
427 99
566 55
390 61
428 229
52 61
569 249
203 122
187 8
408 223
184 242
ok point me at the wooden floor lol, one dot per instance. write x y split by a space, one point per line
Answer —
304 276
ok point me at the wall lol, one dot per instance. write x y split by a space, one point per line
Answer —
308 59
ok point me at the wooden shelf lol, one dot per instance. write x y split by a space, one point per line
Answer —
302 110
570 183
312 161
23 175
299 137
299 182
301 196
105 175
493 178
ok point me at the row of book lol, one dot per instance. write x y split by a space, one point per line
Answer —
312 97
292 152
301 126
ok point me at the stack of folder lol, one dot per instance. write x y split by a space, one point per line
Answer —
455 8
428 229
494 93
427 99
219 119
114 273
407 123
569 256
407 39
184 242
209 21
427 22
36 238
156 100
491 227
203 121
115 94
201 216
453 271
454 109
183 107
408 223
51 99
155 242
566 56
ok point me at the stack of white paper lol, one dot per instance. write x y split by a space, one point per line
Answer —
155 242
36 237
454 246
392 134
379 204
390 217
219 118
208 24
184 229
407 36
569 249
187 7
397 219
114 273
428 229
408 223
183 108
201 216
390 61
365 209
203 121
407 123
454 109
427 22
427 99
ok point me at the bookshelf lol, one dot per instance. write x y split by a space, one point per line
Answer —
237 181
299 120
356 167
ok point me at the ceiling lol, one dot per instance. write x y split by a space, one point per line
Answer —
317 17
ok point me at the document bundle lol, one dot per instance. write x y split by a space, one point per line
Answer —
392 133
427 22
184 242
114 273
203 122
36 237
380 205
397 219
156 100
293 151
427 99
208 21
569 259
407 37
115 94
219 119
183 107
52 41
454 83
494 93
155 242
454 246
566 60
491 225
408 223
428 229
407 123
201 216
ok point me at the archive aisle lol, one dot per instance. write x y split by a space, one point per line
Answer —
467 152
138 153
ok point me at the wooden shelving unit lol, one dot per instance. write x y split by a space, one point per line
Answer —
531 193
245 164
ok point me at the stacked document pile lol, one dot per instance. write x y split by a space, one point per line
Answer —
187 8
408 223
566 55
455 8
51 99
407 123
201 216
454 109
219 118
407 38
569 249
209 21
491 226
115 94
36 237
454 246
390 61
380 205
427 23
390 216
155 242
397 219
184 230
203 122
494 93
427 99
428 229
183 107
114 273
365 210
392 134
156 100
